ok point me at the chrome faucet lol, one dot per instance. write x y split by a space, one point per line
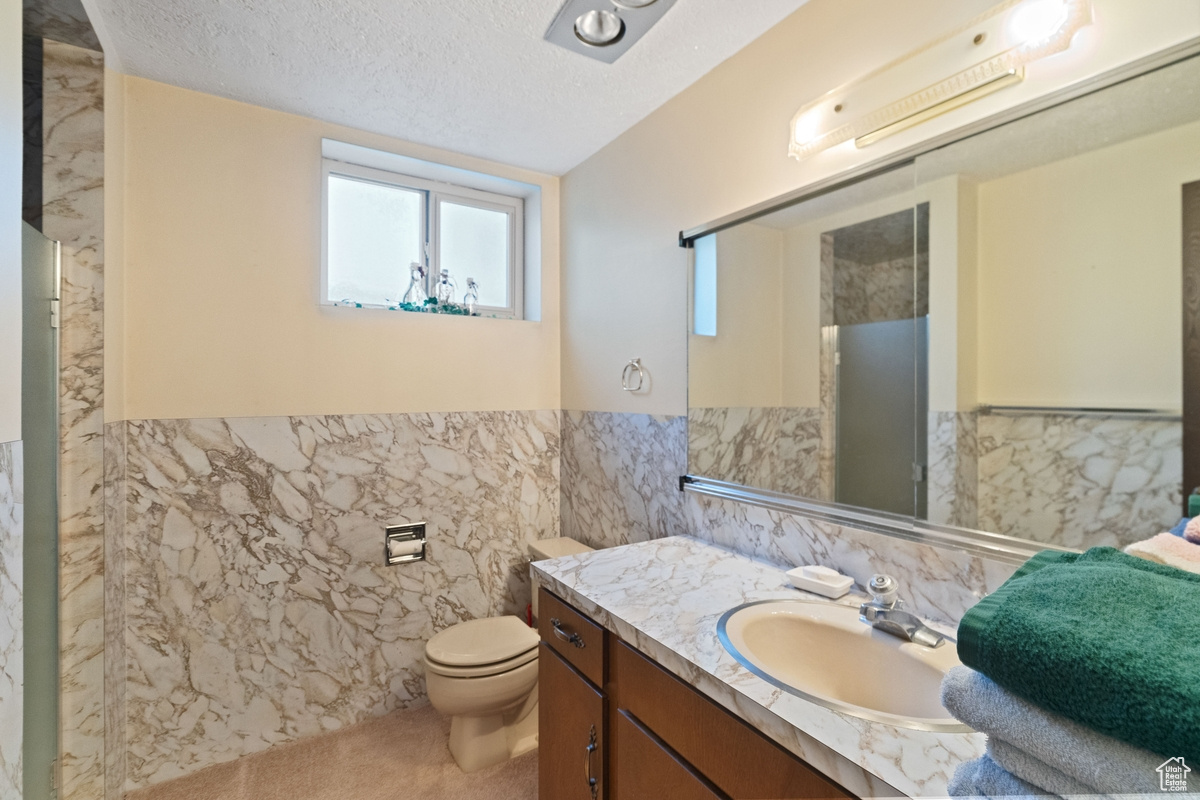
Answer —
885 613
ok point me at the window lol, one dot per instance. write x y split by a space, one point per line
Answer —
704 284
392 240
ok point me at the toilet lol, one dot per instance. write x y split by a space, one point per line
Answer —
483 675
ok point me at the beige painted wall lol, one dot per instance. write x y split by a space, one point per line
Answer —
721 145
952 293
801 379
1079 277
221 242
740 366
10 220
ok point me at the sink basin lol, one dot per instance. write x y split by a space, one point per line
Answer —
824 653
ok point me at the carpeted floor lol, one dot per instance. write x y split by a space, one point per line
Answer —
402 756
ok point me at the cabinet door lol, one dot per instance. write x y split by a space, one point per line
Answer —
570 734
646 768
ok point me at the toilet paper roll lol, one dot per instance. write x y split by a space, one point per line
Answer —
404 547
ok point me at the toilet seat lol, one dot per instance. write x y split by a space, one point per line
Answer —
481 647
481 670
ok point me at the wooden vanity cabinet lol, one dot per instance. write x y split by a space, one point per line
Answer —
571 728
658 737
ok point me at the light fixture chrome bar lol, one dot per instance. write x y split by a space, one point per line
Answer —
636 21
1123 413
993 546
1012 76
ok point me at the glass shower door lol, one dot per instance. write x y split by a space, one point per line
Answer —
41 275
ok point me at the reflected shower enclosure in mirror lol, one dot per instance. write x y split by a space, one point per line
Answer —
988 336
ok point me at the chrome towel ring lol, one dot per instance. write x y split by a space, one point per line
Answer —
633 372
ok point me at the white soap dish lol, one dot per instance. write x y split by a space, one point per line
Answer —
820 580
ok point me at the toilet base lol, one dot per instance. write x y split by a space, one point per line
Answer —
483 741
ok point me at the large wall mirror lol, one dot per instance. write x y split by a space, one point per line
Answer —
989 336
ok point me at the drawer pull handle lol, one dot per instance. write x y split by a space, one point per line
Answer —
570 638
592 783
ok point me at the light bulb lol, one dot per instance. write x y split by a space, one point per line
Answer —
1037 20
599 28
806 129
633 3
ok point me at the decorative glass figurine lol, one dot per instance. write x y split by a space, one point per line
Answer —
471 298
416 286
445 288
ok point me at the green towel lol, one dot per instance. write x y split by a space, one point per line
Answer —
1106 639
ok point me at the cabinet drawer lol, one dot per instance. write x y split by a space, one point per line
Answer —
571 732
736 758
572 635
646 769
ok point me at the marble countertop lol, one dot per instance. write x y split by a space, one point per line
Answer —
664 597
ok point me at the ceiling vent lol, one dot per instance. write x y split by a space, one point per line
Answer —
604 29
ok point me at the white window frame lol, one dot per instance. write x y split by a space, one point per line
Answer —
435 192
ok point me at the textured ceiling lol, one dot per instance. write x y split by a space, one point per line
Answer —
472 76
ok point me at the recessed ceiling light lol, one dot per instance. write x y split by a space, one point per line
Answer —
605 29
599 28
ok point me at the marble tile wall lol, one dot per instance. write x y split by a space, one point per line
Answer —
60 20
827 413
769 448
953 458
115 494
875 292
734 444
258 609
1079 481
12 609
73 213
939 583
936 583
798 453
620 477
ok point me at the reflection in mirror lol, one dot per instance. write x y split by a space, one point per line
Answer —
818 312
989 338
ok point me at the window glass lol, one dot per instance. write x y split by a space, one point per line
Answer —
375 233
474 243
704 304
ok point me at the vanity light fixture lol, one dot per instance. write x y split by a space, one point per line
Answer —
604 29
986 55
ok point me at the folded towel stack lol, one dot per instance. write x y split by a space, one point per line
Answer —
1084 671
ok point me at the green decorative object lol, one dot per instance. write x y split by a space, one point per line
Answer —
432 306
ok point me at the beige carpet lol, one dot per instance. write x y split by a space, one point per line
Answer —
402 756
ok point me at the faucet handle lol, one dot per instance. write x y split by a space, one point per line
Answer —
883 589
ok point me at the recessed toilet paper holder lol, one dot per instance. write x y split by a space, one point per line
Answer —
404 543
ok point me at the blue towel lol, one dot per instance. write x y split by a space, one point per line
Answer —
1181 527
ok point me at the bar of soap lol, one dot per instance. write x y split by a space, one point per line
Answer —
820 580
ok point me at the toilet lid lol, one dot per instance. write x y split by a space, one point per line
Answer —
481 641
